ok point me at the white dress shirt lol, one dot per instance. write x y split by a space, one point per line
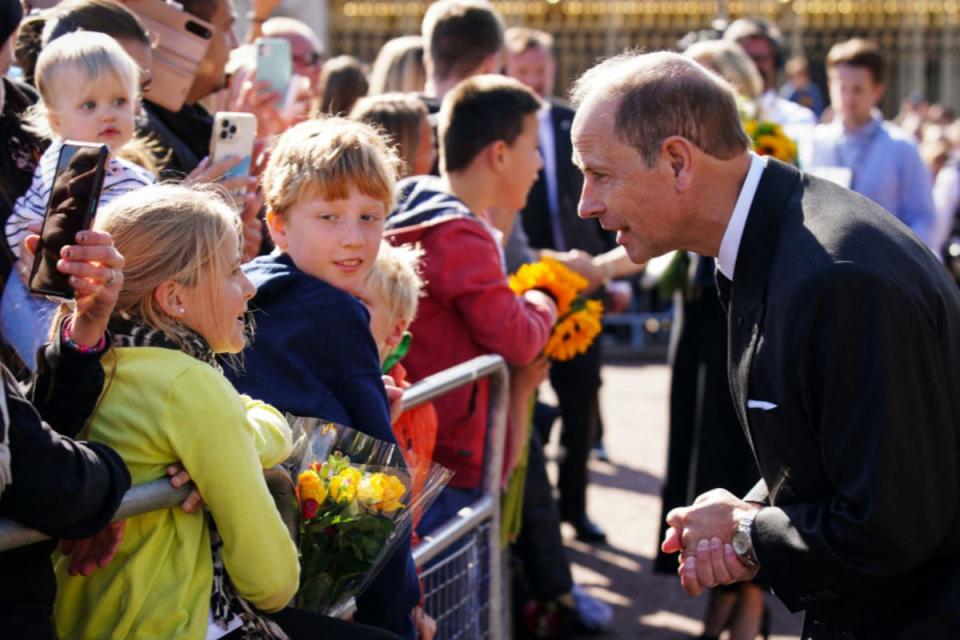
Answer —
730 245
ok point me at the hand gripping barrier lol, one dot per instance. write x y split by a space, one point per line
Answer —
464 585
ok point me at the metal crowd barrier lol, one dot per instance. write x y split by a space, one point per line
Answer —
464 583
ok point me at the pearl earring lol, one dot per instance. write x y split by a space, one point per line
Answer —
183 311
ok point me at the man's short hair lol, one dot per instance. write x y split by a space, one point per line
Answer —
323 158
664 94
203 9
459 35
520 39
478 111
858 52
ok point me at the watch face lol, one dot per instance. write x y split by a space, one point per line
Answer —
741 542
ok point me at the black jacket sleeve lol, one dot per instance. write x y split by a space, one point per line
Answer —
61 487
66 388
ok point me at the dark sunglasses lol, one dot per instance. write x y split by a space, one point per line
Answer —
309 59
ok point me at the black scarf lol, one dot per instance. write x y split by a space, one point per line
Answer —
225 601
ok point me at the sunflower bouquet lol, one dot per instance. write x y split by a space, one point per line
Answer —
356 501
769 139
578 318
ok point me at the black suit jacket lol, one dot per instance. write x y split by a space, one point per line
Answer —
586 235
844 363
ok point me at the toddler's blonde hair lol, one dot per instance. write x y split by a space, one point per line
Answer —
322 158
396 278
96 55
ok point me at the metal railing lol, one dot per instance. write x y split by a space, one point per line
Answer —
481 520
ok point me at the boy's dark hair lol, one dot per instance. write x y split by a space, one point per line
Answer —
858 53
460 35
478 111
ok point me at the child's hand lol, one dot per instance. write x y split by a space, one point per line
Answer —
425 625
89 554
178 478
27 253
394 397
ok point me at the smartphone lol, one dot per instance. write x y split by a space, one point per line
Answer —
73 202
274 63
233 135
182 40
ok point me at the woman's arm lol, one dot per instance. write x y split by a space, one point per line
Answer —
61 487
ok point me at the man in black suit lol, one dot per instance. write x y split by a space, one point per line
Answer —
844 357
550 222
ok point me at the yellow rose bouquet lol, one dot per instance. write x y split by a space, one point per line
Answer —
356 503
578 318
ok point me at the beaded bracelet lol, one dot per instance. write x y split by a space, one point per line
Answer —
67 340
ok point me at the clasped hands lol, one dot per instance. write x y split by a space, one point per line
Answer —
702 534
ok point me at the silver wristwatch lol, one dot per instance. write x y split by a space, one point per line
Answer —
743 541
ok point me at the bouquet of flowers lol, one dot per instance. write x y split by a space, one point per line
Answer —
356 497
769 140
578 318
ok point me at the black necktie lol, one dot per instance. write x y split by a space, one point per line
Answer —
723 288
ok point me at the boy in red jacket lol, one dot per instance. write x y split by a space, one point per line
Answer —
489 159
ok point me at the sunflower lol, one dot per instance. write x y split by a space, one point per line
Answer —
550 276
769 139
575 332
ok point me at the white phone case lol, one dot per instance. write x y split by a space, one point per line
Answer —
233 135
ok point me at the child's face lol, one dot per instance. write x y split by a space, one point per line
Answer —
386 328
216 311
100 110
334 240
522 163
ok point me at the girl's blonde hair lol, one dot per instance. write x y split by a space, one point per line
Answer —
168 232
96 55
399 67
323 158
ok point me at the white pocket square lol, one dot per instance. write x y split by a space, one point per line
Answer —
763 405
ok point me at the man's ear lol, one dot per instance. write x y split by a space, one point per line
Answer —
878 91
277 227
167 295
677 153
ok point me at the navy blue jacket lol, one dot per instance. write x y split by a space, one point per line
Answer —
313 355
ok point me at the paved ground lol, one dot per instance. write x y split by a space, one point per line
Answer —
624 498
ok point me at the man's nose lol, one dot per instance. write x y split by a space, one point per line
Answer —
590 205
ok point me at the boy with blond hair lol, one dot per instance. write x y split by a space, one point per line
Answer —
328 187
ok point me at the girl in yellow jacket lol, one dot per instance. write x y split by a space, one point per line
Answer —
228 570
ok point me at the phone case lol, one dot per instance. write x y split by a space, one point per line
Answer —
73 202
274 63
183 40
233 135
